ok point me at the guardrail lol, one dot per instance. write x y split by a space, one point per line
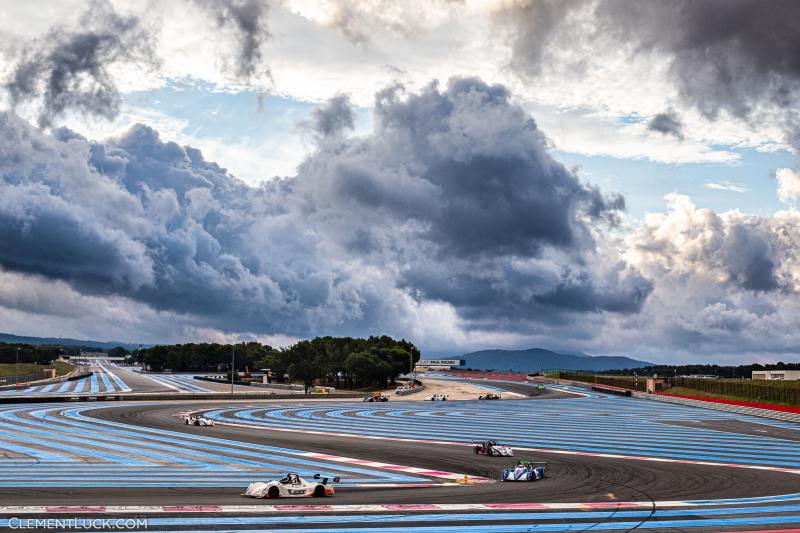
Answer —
195 396
611 390
281 386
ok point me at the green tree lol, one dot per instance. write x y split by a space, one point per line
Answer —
308 363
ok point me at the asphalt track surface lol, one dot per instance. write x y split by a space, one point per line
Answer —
570 479
588 481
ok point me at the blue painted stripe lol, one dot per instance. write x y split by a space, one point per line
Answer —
79 385
519 528
454 517
93 382
119 382
106 382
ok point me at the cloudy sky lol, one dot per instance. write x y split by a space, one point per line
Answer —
609 176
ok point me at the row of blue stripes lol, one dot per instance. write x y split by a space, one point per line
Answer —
99 382
601 425
53 437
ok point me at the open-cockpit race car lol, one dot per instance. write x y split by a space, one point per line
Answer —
291 486
525 471
197 420
492 449
376 397
436 398
489 396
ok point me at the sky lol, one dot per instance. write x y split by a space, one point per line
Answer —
605 176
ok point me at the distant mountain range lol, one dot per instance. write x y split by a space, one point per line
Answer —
534 359
48 341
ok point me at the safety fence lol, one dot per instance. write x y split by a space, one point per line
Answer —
781 392
786 392
23 377
626 382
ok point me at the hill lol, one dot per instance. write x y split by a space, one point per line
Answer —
50 341
534 359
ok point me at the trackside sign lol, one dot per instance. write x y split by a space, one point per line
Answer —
440 362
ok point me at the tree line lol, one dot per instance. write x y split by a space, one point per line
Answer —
29 354
335 361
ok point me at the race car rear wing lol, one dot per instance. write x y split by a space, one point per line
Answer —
524 462
325 479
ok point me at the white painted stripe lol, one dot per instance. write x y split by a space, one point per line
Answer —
400 468
164 382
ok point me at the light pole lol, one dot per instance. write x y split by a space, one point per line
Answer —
233 364
16 369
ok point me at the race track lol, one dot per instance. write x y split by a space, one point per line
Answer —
613 463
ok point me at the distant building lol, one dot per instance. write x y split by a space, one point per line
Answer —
785 375
92 357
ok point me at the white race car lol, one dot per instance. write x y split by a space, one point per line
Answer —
436 398
291 486
525 471
197 420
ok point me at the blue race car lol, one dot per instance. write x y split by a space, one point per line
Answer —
524 471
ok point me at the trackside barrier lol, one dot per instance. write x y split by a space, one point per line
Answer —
195 396
281 386
719 406
611 390
406 392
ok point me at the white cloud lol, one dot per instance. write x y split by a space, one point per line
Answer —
597 134
788 185
725 186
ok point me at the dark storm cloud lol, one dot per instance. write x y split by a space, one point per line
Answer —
247 21
668 123
334 118
496 189
624 292
69 68
533 24
733 55
457 188
749 258
452 198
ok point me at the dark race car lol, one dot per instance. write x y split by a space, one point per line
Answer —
197 420
492 449
489 396
376 398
